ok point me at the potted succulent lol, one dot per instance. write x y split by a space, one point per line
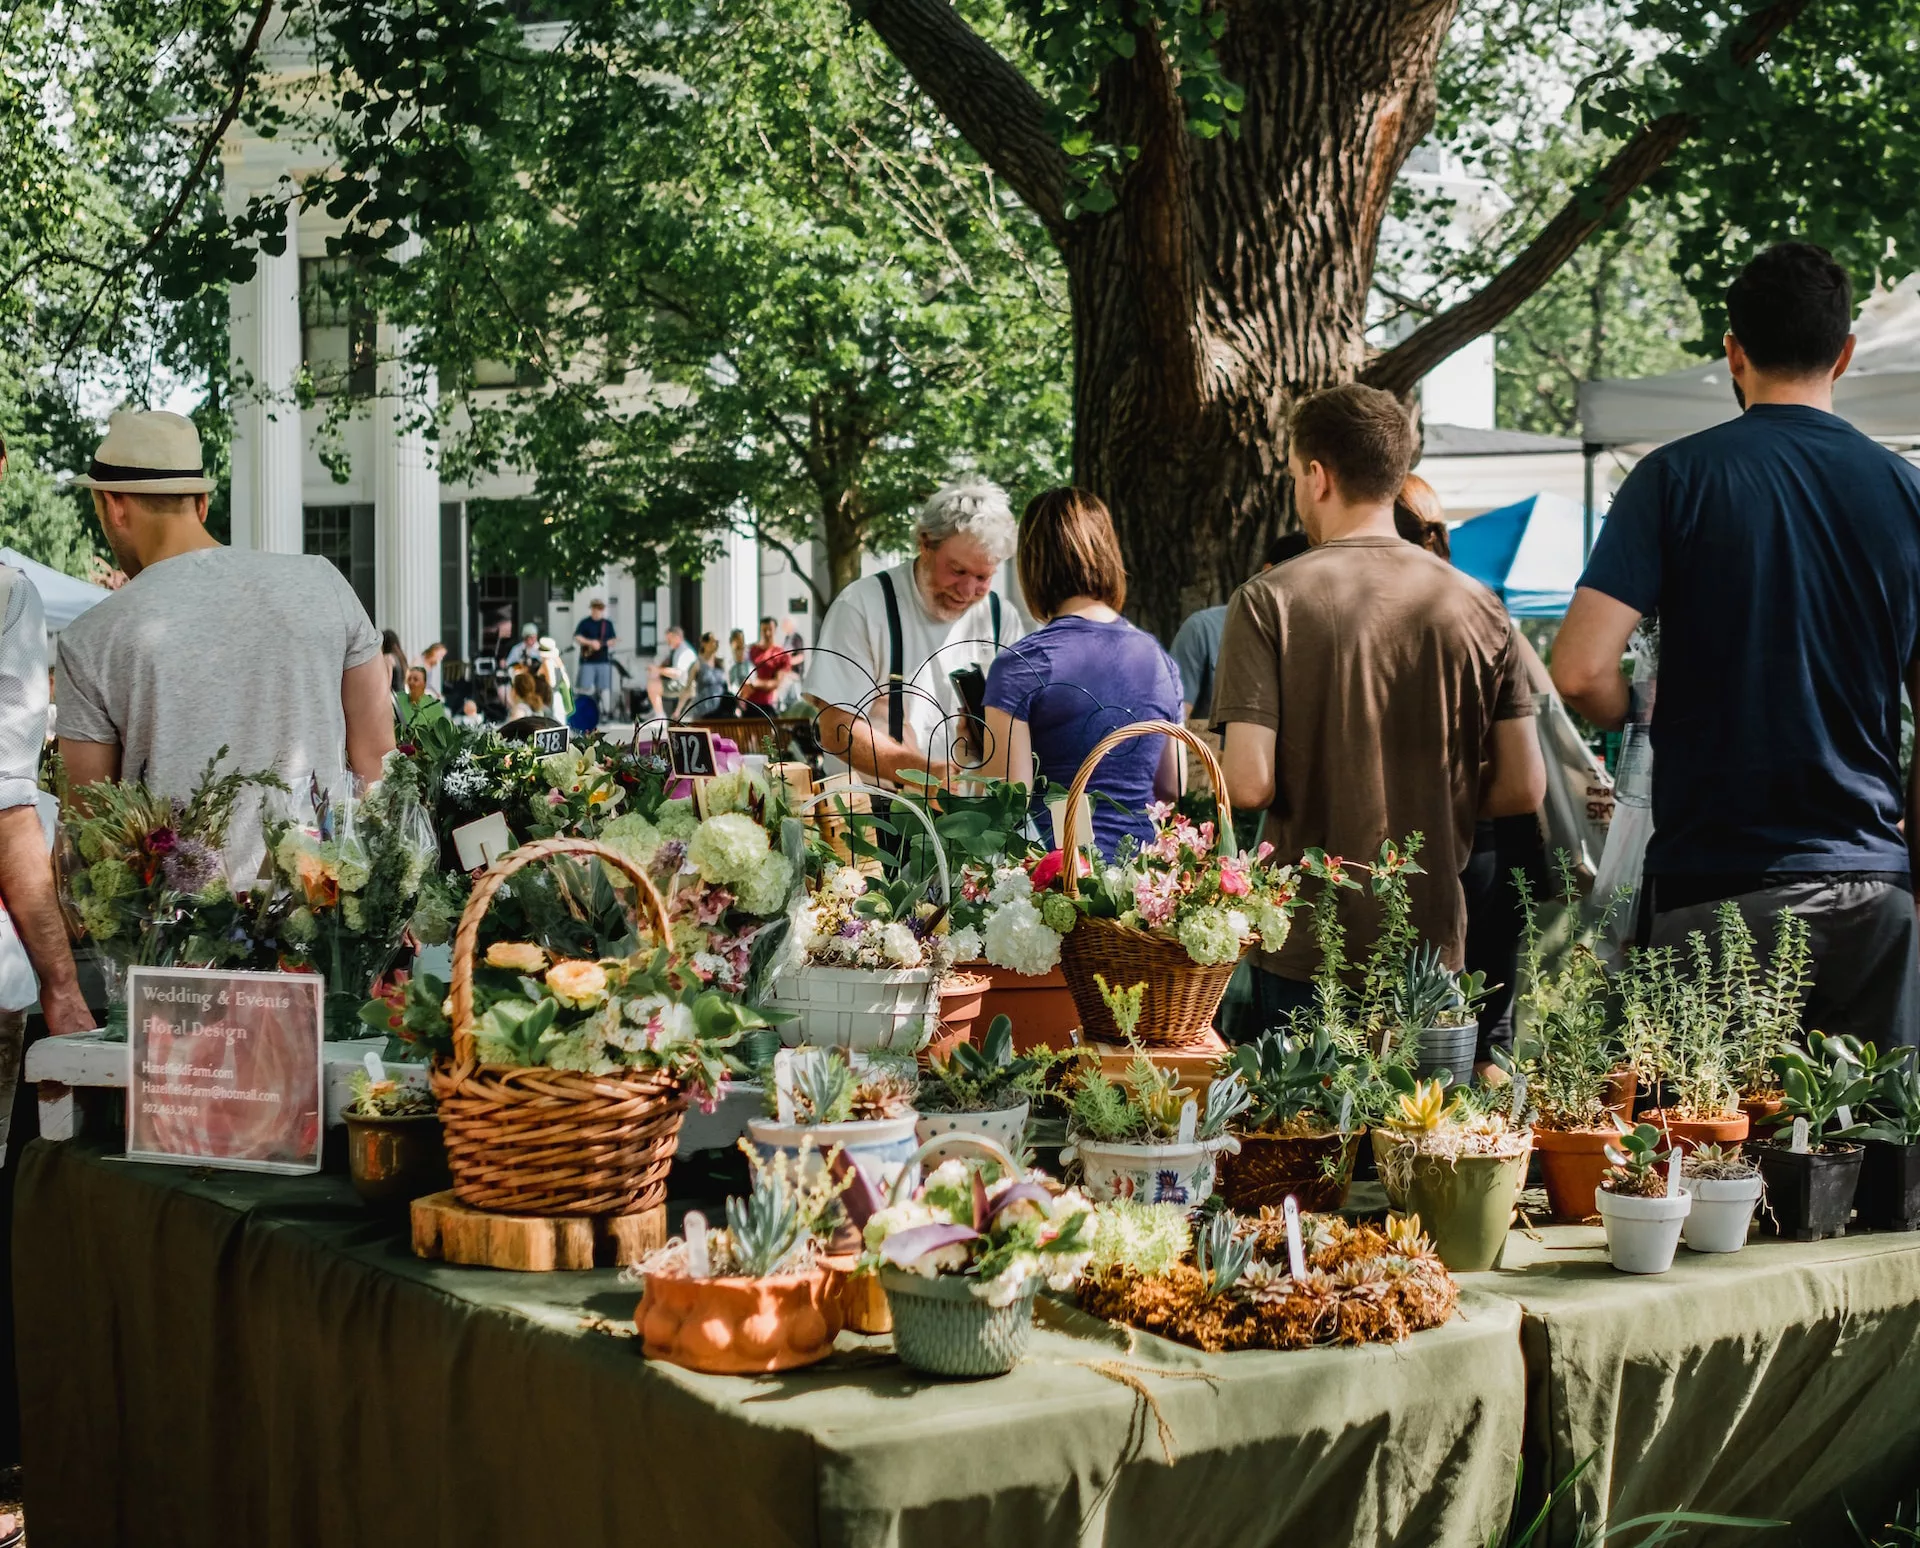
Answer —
1440 1010
1132 1136
753 1297
1682 1024
1456 1165
1810 1191
1296 1134
1726 1189
395 1152
1569 1062
987 1091
962 1256
862 1105
1642 1215
1888 1197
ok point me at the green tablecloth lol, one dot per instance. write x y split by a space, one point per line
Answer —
217 1358
1780 1382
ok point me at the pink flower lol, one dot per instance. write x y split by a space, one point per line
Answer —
1047 872
554 798
1233 877
1156 897
1260 855
1201 841
1159 812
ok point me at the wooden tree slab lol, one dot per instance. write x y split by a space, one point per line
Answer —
445 1228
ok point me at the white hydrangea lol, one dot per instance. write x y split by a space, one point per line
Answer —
1010 882
845 883
1210 936
964 943
765 891
900 945
1272 923
1017 937
733 792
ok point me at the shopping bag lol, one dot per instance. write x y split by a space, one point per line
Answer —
1579 807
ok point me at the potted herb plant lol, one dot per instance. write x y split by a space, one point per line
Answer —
1726 1189
1296 1134
395 1153
962 1257
1643 1219
753 1297
1888 1197
1440 1010
1458 1167
986 1091
1766 1006
1682 1023
860 1103
1131 1136
1569 1062
1810 1192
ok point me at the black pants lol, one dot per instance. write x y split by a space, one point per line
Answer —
1500 847
1866 950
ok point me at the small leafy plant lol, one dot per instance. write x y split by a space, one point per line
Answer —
1143 1106
1893 1109
1561 1040
1816 1084
987 1079
1638 1162
827 1088
1711 1163
1293 1083
1430 995
386 1098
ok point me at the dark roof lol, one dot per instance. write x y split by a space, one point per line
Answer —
1461 441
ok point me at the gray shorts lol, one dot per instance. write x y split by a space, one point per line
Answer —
1866 952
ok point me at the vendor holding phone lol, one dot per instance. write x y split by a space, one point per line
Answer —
1052 697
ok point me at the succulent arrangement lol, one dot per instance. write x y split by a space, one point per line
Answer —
1639 1164
386 1098
987 1079
1716 1163
1429 994
1831 1076
1143 1107
773 1229
1296 1085
829 1088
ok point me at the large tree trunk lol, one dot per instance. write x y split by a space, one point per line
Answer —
1233 277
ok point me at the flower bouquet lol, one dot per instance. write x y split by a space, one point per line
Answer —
151 885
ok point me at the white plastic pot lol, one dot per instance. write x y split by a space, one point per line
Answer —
880 1147
1149 1174
1642 1233
1006 1128
858 1008
1722 1211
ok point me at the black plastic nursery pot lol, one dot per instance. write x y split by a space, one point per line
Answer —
1888 1198
1809 1195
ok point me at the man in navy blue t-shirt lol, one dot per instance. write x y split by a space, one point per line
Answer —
1780 553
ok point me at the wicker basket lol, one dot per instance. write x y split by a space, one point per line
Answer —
1181 996
552 1142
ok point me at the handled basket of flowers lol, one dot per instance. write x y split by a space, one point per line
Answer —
1178 914
567 1080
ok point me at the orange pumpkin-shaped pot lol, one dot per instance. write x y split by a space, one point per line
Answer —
739 1327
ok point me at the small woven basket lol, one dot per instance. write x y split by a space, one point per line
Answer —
1181 996
536 1141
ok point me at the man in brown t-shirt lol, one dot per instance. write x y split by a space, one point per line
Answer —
1369 690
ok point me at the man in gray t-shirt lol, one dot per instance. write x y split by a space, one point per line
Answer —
269 655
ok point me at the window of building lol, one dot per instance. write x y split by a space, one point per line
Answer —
337 328
343 536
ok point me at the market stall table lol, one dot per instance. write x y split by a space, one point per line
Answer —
224 1358
1777 1382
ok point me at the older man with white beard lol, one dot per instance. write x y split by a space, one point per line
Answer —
880 669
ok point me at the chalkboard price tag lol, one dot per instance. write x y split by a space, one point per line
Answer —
690 752
549 740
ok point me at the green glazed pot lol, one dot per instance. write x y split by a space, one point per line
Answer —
941 1327
1466 1205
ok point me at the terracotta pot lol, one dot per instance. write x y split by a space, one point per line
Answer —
739 1327
1041 1009
1622 1086
1761 1111
1686 1134
960 998
396 1160
1572 1164
1271 1166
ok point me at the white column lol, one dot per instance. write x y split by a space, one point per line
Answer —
264 317
406 494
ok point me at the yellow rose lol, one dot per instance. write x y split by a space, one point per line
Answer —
579 984
516 957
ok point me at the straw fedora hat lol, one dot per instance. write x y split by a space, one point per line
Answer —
148 451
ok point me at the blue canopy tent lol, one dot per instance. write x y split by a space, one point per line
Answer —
1529 553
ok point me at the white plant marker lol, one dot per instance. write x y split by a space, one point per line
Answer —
783 1085
1519 1096
699 1265
1296 1254
1346 1113
376 1071
1800 1146
1673 1175
1189 1121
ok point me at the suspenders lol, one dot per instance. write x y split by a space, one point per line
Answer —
896 653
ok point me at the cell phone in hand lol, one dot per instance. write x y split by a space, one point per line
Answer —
971 684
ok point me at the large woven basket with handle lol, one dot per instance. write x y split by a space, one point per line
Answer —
1181 996
535 1141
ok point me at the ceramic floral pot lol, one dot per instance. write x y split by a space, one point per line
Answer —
1687 1134
739 1327
1722 1210
396 1160
1316 1169
1643 1233
1573 1163
1006 1128
1041 1008
880 1147
941 1327
1149 1174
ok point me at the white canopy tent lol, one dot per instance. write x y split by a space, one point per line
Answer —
61 596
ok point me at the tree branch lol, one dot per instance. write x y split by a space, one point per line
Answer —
242 64
761 535
1400 368
982 95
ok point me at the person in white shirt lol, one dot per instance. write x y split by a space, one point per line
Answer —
921 621
672 670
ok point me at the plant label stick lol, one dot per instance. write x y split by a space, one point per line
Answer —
376 1071
1799 1136
1346 1113
1519 1088
699 1266
1189 1121
783 1084
1845 1115
1673 1175
1296 1255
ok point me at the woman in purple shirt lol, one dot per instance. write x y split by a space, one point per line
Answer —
1051 697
